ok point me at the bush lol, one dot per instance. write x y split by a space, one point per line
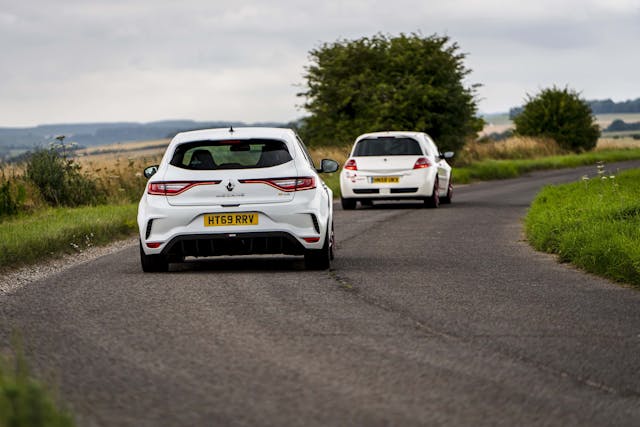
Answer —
559 114
59 179
409 82
25 402
11 197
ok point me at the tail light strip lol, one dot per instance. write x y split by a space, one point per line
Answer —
172 188
285 184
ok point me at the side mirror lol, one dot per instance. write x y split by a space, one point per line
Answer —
447 154
150 171
328 166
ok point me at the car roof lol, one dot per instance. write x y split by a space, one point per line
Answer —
393 133
232 133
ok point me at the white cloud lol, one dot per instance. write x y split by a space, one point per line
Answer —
150 60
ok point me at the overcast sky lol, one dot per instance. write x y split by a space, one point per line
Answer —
147 60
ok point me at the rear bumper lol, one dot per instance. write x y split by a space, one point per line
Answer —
204 245
416 184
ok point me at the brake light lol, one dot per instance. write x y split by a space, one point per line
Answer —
311 239
285 184
153 245
351 165
172 188
421 163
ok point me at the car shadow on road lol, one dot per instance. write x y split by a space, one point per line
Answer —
397 205
239 264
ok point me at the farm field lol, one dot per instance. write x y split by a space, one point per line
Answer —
498 123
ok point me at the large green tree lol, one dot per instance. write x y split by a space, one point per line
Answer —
409 82
559 114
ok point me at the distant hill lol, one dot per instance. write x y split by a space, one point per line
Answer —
605 106
16 140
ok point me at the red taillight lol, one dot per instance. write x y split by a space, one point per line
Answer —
351 165
171 188
421 163
153 245
285 184
311 239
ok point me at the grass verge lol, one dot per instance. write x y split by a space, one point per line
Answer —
594 224
25 402
485 170
31 238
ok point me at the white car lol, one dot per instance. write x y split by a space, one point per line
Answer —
236 192
396 165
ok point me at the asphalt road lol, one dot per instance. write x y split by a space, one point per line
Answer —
428 317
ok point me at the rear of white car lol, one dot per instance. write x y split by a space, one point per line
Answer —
395 166
236 192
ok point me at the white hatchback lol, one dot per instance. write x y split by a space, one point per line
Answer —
396 165
236 192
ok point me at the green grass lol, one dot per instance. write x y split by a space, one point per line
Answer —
486 170
31 238
594 224
25 402
333 182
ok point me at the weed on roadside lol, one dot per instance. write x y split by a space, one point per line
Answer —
25 402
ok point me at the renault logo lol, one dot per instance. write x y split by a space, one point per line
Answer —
230 186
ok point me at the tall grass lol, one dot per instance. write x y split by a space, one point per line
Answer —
516 147
594 224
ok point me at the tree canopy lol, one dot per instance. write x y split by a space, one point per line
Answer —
559 114
409 82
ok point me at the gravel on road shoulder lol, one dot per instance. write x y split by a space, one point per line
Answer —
12 280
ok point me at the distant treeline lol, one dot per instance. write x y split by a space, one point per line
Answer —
621 126
606 106
14 141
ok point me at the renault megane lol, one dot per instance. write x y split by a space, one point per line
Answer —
236 192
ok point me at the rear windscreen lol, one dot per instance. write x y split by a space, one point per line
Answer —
231 154
387 146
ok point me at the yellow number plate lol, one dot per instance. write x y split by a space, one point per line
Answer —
385 179
244 218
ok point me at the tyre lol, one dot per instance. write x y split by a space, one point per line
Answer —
320 259
433 201
348 204
447 199
153 263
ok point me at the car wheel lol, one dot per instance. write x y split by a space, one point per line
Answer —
433 201
320 259
348 204
153 263
449 196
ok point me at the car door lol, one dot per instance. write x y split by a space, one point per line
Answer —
444 170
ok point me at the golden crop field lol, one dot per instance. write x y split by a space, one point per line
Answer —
133 157
499 123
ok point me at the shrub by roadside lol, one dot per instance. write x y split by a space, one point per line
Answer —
23 401
594 224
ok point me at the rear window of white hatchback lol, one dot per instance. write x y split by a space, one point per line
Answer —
387 146
231 154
